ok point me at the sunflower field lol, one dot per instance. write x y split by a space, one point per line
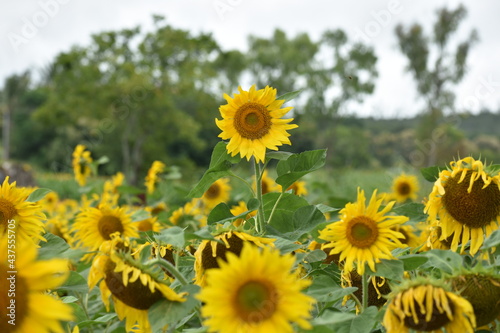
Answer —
254 245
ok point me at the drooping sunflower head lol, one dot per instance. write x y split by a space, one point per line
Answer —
209 253
25 281
133 287
152 177
466 202
255 292
253 122
81 164
23 218
96 225
217 192
427 305
364 235
405 187
482 289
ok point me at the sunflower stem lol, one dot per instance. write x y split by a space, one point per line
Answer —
364 281
259 225
274 207
172 269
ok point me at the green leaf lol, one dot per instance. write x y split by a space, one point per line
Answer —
278 155
140 215
253 204
285 245
220 163
493 240
102 160
431 173
324 289
220 213
69 299
414 211
75 282
314 256
445 260
413 261
327 209
391 269
173 235
362 323
289 95
54 247
298 165
167 312
304 220
38 194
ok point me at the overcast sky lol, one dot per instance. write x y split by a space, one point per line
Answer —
32 32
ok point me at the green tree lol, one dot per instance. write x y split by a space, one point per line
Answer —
436 66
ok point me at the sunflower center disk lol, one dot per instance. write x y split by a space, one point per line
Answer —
404 188
12 288
255 301
252 121
475 209
362 231
134 294
7 211
213 191
108 225
437 320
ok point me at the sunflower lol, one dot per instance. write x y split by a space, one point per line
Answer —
132 287
255 292
404 187
217 192
378 288
240 208
191 214
24 283
157 208
81 164
18 217
423 306
298 188
482 289
96 225
152 177
411 238
466 200
364 235
252 121
209 253
110 194
267 184
149 224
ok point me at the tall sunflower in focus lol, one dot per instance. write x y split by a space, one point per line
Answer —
152 177
93 226
425 306
255 292
364 235
466 202
252 121
210 253
81 164
35 311
132 287
217 192
23 217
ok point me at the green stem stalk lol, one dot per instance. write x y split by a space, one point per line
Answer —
259 225
172 269
274 207
364 281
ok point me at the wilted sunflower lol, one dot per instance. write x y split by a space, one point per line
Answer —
81 164
209 253
364 235
132 287
255 292
96 225
424 306
152 177
217 192
240 209
466 200
23 218
252 121
405 187
34 311
482 289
